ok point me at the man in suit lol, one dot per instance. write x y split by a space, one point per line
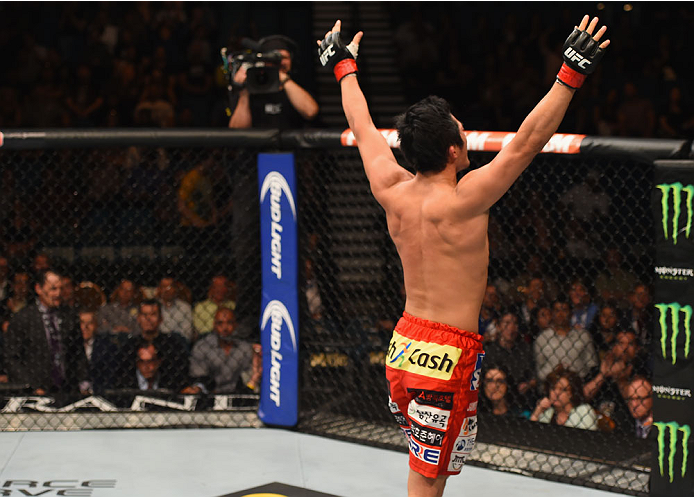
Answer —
171 348
43 344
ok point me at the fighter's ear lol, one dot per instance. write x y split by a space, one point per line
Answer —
453 153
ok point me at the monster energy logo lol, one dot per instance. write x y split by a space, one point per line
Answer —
676 189
674 430
675 311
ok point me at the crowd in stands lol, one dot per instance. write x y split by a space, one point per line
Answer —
571 358
495 66
61 338
158 63
121 65
555 353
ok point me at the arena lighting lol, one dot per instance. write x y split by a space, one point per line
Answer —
601 6
627 7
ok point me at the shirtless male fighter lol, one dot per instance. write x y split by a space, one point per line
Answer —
439 227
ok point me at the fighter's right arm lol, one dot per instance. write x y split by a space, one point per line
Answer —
381 168
486 185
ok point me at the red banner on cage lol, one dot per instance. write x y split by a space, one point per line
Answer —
485 141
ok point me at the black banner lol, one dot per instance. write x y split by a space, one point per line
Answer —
673 371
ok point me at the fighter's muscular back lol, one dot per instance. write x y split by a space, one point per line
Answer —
443 248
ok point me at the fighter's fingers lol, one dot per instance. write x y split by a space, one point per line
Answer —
604 44
592 25
357 38
599 34
337 26
584 23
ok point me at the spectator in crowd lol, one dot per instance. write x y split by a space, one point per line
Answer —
314 301
43 345
534 268
639 397
489 313
4 281
604 329
640 314
41 262
171 348
197 207
563 405
533 293
176 313
540 320
289 108
497 386
67 291
20 292
84 100
676 119
119 315
635 115
607 382
586 203
102 350
564 345
219 295
614 283
20 230
220 363
583 310
148 375
517 357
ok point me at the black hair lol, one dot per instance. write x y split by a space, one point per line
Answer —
150 302
41 276
426 131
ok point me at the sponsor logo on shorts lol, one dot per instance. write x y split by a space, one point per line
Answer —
442 400
475 379
428 416
457 462
393 406
427 359
464 444
400 419
427 435
430 456
469 426
407 431
472 407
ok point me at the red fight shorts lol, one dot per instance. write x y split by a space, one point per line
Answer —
433 373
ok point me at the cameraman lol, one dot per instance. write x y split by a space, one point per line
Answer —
288 108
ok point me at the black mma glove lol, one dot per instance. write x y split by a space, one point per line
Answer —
339 57
581 54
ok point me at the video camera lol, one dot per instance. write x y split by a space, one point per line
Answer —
262 70
262 62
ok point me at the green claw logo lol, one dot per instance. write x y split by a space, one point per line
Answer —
673 428
676 189
676 310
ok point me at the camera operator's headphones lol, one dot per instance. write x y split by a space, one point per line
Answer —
281 42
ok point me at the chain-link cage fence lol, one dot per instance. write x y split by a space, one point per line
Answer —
147 248
565 320
151 242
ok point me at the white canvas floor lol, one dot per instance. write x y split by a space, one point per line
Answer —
218 462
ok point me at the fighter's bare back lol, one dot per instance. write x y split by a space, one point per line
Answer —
443 248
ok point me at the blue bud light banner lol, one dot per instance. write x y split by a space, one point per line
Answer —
279 316
672 471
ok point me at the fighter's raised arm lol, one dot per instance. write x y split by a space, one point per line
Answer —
380 165
582 52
